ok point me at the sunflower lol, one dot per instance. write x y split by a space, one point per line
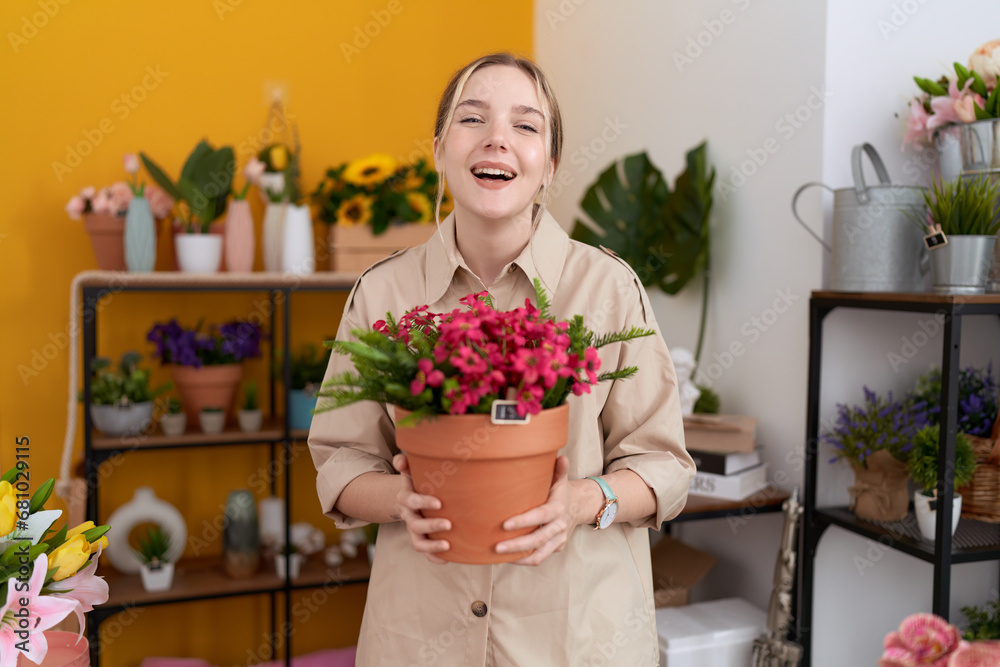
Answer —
355 211
277 157
413 181
421 205
371 170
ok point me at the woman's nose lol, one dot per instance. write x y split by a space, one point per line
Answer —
496 137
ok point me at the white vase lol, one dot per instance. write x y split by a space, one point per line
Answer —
159 579
117 420
273 236
199 253
250 420
270 182
292 561
299 248
173 425
144 507
271 513
927 518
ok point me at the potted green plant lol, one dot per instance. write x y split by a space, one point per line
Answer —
201 191
121 400
212 419
923 467
288 561
174 421
308 369
157 573
250 417
982 622
876 439
962 225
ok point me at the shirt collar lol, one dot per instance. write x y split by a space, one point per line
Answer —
542 258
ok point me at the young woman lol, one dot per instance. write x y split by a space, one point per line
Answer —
586 597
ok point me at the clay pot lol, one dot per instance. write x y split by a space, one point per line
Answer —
879 492
206 387
107 237
483 473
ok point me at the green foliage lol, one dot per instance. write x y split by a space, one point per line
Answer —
308 367
211 409
174 406
250 396
964 206
982 622
129 384
923 462
154 545
708 403
664 232
204 184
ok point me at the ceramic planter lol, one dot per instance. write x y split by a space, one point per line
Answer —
354 249
298 252
239 237
301 403
927 517
273 236
483 473
206 387
879 492
290 564
140 236
144 507
116 420
173 425
212 421
199 253
158 579
963 265
250 420
107 236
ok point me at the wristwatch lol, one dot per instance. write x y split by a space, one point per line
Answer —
607 514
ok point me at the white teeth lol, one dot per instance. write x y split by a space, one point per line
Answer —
489 171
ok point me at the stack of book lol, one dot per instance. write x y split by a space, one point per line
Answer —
725 453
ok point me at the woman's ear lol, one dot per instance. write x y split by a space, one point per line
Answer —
437 158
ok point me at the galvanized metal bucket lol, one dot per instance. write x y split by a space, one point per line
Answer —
963 265
875 246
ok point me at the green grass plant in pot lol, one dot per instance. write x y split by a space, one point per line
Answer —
173 421
308 369
157 573
923 467
876 438
250 417
121 400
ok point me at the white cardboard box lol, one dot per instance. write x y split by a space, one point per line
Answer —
719 633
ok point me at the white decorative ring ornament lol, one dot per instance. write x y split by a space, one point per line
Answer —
144 507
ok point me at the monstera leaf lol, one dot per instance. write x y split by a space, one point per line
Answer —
660 233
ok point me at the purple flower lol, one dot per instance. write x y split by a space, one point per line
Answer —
228 343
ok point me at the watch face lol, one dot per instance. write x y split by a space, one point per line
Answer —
609 515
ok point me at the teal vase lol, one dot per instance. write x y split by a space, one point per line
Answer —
140 236
241 535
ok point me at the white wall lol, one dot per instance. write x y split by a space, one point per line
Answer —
616 70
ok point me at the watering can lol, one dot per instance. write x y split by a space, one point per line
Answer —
877 243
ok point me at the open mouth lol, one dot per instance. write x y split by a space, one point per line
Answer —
493 174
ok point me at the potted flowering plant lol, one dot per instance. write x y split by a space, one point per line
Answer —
876 439
103 213
928 639
480 400
374 206
978 401
45 573
206 363
121 401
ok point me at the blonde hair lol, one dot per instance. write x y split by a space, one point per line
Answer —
552 130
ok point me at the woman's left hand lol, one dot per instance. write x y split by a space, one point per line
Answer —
555 521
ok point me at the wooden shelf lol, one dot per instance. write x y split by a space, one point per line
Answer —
271 431
204 578
173 280
883 298
768 499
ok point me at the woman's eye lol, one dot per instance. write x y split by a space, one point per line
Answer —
528 128
470 119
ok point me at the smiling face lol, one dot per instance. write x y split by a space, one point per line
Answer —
493 152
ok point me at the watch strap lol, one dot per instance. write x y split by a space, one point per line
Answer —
609 495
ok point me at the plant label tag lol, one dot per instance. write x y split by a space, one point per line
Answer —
505 412
935 240
932 505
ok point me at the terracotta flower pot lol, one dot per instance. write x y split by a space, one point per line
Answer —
107 237
483 473
879 492
206 387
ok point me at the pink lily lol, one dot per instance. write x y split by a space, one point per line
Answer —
131 163
84 587
43 611
916 125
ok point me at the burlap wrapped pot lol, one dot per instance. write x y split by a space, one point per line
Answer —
879 492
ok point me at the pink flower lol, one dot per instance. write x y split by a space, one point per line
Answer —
591 364
529 400
986 62
427 375
916 125
922 639
84 587
40 614
528 363
88 192
976 654
965 108
253 170
101 202
121 197
160 203
131 163
75 207
467 360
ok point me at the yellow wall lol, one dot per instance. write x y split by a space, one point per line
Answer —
73 74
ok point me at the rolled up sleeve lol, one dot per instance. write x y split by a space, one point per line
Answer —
641 419
349 441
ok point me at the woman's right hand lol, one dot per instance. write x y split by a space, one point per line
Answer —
411 504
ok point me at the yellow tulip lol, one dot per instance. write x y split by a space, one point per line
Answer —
8 508
69 557
279 157
84 527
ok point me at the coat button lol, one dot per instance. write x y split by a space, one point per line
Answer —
479 608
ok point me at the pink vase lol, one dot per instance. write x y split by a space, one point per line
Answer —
239 237
66 649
